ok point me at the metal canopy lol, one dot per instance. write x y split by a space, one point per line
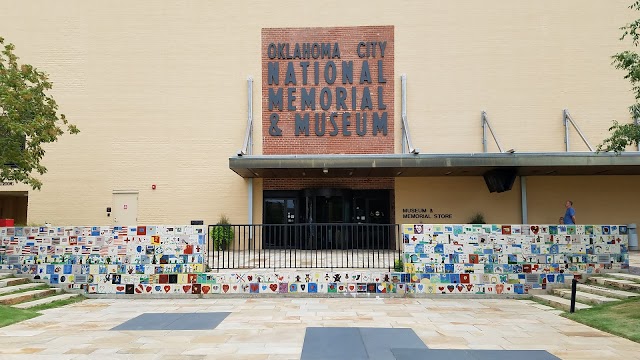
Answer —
418 165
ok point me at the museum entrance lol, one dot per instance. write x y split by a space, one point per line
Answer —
327 218
13 205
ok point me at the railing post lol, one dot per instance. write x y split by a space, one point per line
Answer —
574 283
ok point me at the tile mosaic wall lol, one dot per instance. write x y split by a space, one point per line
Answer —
106 259
509 258
442 259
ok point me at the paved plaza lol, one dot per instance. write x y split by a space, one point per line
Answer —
275 328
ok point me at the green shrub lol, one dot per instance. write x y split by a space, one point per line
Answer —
398 265
478 218
221 234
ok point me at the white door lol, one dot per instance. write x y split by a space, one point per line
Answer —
125 208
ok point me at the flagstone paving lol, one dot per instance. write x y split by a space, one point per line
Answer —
275 328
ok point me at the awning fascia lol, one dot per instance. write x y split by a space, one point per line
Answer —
412 165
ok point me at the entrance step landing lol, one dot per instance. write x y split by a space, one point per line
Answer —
43 301
618 283
10 289
13 281
560 303
26 296
584 297
623 276
599 290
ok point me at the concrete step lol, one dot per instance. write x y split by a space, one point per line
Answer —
47 300
13 281
623 276
560 303
5 275
8 289
584 297
26 296
619 283
599 290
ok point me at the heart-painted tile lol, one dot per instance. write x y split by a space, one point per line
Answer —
254 288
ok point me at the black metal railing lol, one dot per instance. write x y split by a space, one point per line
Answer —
326 246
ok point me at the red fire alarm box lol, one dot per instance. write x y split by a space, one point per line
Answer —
6 222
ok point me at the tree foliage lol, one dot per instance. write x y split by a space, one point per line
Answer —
623 135
28 119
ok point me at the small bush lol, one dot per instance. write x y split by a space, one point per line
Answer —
398 265
221 234
478 218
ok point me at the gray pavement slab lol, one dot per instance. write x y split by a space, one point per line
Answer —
334 343
174 321
458 354
338 343
378 342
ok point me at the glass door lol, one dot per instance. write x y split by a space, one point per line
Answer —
279 215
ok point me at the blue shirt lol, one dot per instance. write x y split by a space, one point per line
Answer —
567 216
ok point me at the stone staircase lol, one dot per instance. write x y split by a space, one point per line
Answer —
22 293
604 289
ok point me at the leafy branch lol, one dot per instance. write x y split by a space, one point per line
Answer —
28 119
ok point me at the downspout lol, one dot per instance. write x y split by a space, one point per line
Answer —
250 148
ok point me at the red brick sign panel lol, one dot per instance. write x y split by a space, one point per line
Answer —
328 90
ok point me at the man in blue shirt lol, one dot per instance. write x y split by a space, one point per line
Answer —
570 214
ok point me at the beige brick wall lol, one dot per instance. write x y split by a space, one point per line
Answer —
460 197
159 88
597 199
